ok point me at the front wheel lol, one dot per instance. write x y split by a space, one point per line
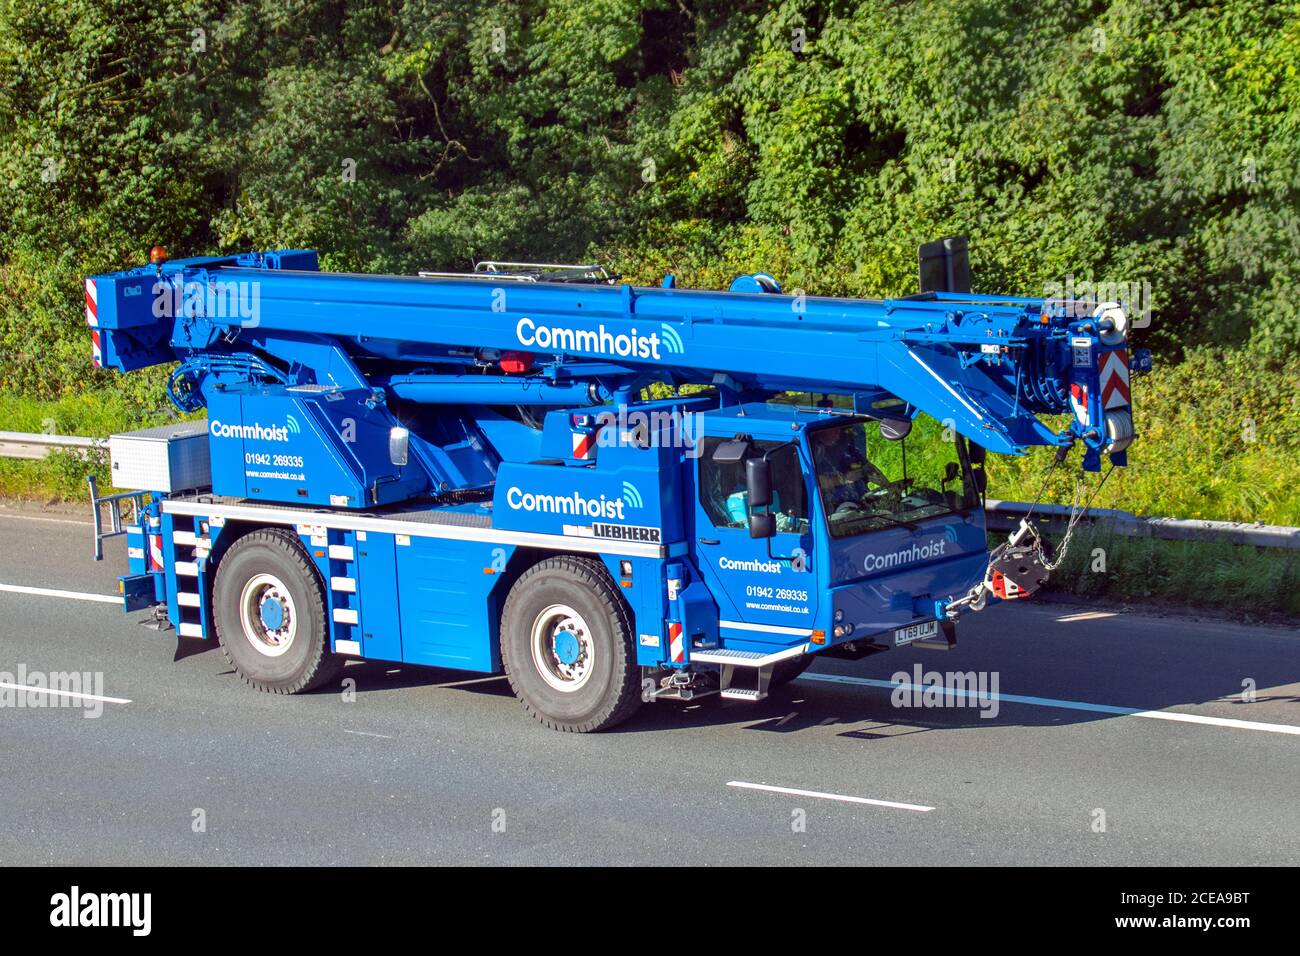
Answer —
566 645
268 604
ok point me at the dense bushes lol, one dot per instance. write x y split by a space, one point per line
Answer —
1145 143
1219 438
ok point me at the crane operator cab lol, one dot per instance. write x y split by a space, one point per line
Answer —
835 531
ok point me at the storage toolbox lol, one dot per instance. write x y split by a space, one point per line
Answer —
168 458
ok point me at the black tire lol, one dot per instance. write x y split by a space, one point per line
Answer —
785 671
306 663
611 690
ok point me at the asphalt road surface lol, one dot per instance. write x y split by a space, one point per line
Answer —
1116 738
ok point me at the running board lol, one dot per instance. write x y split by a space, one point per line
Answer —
723 656
728 660
740 693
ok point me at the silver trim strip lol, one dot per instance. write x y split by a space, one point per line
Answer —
416 529
769 628
951 391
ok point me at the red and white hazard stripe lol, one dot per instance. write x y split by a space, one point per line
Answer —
1004 588
92 320
92 304
1114 380
584 444
155 552
676 645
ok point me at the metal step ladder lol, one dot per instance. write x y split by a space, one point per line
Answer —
190 552
729 660
344 606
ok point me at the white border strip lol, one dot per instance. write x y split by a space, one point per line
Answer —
768 628
416 529
52 592
829 796
22 517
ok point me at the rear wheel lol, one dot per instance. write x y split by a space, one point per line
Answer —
268 604
566 644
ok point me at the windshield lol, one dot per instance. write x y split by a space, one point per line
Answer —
868 482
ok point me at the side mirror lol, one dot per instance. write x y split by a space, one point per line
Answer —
895 429
950 472
399 445
758 491
758 483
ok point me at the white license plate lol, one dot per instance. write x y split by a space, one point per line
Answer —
915 632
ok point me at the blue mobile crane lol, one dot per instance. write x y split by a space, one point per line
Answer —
469 470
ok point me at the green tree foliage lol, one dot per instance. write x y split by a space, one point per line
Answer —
1146 142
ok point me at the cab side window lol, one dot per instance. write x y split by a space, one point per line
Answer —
722 486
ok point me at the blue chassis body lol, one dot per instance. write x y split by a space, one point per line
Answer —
328 352
425 585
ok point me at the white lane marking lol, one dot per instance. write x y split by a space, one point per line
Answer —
1064 704
362 733
62 693
1087 616
829 796
71 595
1218 721
79 524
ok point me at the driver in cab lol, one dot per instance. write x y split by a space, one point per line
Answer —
843 469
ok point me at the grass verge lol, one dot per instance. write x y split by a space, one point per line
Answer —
62 475
1259 583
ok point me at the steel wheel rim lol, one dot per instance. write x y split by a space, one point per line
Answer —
267 640
563 648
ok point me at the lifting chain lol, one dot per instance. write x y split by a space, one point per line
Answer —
1021 565
1078 510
